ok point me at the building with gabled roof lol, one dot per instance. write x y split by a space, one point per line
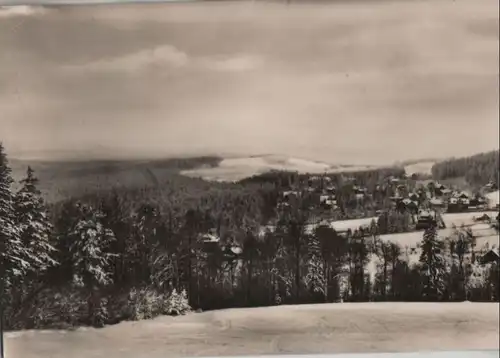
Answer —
491 256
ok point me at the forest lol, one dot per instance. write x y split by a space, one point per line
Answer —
185 245
477 170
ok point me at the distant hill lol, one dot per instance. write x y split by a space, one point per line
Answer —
62 179
477 170
238 168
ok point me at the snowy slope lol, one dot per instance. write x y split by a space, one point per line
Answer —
420 168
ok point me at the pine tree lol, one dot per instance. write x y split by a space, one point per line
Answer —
33 223
13 263
383 252
91 259
432 265
89 249
315 277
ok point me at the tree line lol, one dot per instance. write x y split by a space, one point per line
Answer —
477 170
127 254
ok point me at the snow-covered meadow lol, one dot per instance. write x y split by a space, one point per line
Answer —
320 328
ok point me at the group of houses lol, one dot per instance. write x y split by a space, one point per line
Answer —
431 194
438 197
322 186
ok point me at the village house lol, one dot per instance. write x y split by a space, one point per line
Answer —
441 190
425 219
328 201
437 203
478 203
464 198
440 186
490 257
459 202
210 237
407 204
414 196
287 195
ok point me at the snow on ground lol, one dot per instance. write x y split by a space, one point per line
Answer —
420 168
343 225
313 329
352 224
233 169
411 239
466 219
486 238
450 219
493 198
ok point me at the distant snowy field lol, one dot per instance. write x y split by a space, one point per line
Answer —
313 329
234 169
420 168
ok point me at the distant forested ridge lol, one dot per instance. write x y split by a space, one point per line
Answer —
61 180
477 170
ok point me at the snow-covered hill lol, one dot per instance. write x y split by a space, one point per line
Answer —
424 167
232 169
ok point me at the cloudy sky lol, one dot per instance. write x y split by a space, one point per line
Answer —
352 82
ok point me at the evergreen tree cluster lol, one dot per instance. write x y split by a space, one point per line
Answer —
477 170
128 254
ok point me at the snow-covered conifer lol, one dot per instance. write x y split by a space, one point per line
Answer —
89 248
432 265
13 263
33 223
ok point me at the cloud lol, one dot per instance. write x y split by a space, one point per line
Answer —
327 82
165 56
168 57
18 11
237 63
